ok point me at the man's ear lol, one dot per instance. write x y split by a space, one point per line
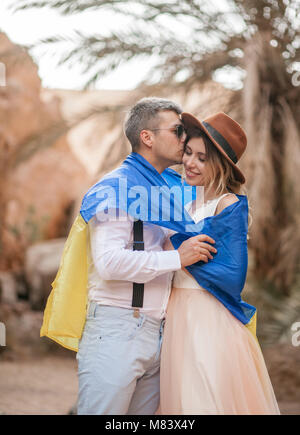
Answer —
146 137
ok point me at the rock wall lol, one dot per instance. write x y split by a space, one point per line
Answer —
39 176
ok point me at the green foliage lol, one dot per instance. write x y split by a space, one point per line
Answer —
216 34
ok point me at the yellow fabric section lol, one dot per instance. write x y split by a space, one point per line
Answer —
252 326
65 311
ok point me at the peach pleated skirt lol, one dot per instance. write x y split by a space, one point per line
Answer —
210 362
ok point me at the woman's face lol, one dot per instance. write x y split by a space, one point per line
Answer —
194 161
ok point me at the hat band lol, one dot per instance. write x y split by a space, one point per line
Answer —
221 141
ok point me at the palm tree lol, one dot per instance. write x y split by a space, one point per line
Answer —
258 38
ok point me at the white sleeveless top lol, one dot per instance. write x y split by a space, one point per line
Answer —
181 278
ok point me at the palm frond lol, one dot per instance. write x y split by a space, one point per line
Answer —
282 315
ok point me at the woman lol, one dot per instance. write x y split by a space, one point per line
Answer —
211 363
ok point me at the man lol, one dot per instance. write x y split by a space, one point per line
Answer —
119 353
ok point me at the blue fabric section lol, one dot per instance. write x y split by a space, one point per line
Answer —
139 190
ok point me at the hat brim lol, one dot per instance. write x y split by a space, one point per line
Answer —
190 122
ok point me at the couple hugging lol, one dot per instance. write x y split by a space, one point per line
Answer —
152 305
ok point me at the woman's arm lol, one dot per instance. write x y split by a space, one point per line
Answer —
225 202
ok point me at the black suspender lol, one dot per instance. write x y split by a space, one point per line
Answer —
138 245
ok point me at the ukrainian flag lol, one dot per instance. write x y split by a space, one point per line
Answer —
133 188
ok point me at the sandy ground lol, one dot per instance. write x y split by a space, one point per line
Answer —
44 386
49 385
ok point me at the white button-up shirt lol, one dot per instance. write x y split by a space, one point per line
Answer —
114 266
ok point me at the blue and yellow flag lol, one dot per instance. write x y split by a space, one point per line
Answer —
139 190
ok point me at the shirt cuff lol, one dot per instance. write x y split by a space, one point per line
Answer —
169 261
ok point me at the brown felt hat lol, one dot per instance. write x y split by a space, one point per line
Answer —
225 133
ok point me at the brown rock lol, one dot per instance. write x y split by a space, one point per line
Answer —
39 174
8 288
41 265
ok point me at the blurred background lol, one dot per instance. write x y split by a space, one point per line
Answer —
69 71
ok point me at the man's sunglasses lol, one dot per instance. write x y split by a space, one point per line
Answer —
178 130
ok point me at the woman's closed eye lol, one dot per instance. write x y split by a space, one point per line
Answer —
189 153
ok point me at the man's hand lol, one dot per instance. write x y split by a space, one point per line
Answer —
195 249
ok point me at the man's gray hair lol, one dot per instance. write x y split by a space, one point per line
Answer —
144 115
